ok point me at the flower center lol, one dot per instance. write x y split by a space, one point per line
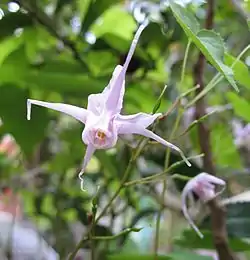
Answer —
101 135
100 138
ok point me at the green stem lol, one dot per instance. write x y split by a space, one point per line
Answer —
92 233
194 123
185 60
158 221
124 232
156 177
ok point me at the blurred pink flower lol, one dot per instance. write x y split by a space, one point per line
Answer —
241 134
8 146
203 185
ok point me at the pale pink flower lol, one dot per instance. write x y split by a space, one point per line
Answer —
102 118
203 185
9 146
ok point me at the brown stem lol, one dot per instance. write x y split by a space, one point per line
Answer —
218 213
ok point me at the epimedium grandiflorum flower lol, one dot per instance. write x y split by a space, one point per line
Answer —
204 186
102 118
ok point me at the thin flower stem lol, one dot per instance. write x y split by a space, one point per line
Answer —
178 101
158 220
91 235
185 60
194 123
122 233
157 177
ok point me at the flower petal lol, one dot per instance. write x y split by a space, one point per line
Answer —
74 111
97 102
209 180
141 119
186 191
134 43
115 97
89 152
129 128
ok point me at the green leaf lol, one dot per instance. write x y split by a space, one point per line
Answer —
48 206
224 150
31 42
124 26
158 102
7 46
94 11
241 71
65 77
62 83
238 220
189 239
13 113
83 7
240 105
103 66
209 42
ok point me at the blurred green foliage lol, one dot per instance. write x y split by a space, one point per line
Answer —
62 51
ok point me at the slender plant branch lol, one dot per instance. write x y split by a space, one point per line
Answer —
124 232
158 176
158 220
217 211
178 100
92 232
185 61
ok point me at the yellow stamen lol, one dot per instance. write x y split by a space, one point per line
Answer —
101 135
